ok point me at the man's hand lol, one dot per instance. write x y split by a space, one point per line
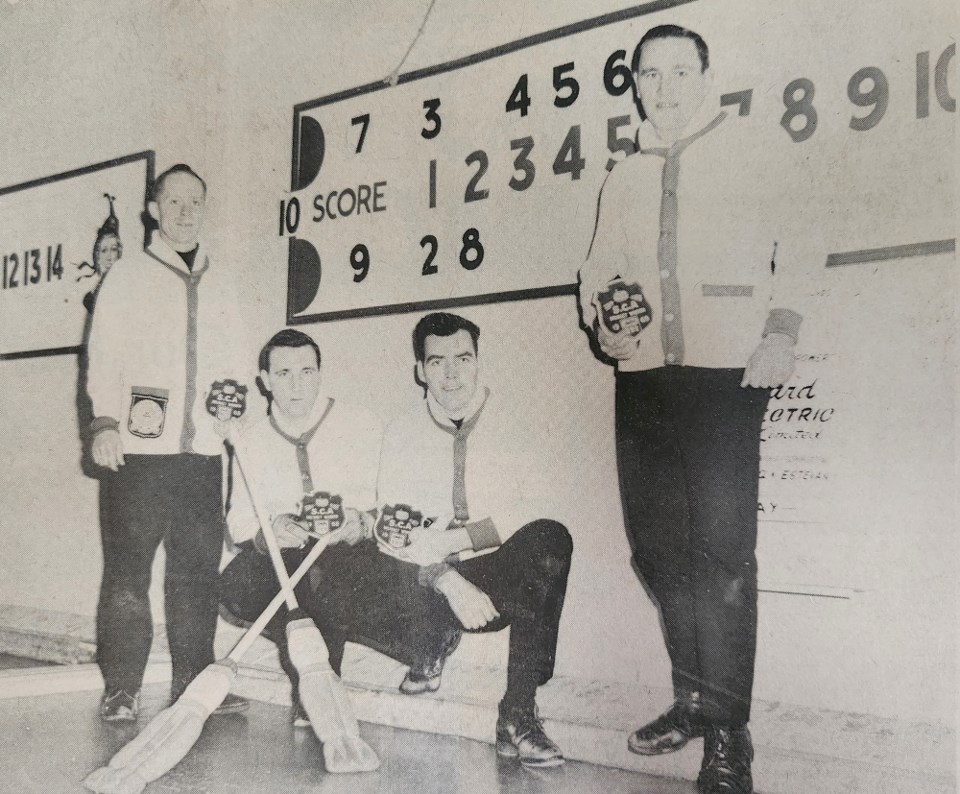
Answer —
107 449
469 603
772 363
354 529
430 546
289 532
619 345
229 429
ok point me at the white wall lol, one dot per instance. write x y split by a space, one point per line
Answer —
214 85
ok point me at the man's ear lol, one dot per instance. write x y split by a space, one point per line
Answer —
154 210
265 380
420 379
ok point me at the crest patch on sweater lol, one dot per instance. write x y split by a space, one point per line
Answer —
322 511
394 527
148 411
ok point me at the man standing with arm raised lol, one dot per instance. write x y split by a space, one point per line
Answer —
678 288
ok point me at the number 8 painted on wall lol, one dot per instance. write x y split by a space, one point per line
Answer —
471 242
799 107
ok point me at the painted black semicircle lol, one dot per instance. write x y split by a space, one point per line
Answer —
303 273
310 157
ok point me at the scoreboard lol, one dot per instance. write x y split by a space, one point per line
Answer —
47 231
476 180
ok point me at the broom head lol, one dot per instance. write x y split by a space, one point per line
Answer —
167 738
324 697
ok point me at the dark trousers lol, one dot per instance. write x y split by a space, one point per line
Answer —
688 453
343 593
152 498
363 595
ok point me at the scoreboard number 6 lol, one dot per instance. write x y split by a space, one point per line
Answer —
549 119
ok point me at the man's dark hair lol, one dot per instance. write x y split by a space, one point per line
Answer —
288 337
179 168
442 324
665 32
672 32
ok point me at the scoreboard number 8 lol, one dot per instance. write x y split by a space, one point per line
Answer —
600 78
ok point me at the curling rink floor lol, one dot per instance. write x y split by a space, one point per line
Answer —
53 741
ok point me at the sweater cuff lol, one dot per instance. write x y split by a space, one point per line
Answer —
428 575
369 520
483 534
783 321
103 423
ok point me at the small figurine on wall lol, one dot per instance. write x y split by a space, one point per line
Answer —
107 249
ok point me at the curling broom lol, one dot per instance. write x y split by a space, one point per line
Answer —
168 737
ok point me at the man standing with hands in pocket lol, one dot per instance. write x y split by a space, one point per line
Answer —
681 289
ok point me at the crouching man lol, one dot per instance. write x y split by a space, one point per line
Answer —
313 462
487 560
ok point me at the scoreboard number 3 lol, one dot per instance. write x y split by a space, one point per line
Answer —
531 149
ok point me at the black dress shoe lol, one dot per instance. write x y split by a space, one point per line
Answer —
671 730
119 706
520 735
425 677
727 755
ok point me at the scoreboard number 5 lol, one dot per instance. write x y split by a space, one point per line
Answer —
555 112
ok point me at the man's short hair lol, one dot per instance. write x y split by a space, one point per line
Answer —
672 32
179 168
442 324
288 337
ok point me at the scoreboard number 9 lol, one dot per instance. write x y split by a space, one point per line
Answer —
476 181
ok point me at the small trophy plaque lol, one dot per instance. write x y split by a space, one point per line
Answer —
322 511
624 307
227 400
394 527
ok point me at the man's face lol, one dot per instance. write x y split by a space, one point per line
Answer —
293 380
450 369
671 83
179 211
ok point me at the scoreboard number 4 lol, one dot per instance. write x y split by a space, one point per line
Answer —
569 150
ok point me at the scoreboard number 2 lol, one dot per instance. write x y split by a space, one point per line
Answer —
527 165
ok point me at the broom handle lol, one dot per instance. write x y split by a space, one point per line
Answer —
263 517
243 645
